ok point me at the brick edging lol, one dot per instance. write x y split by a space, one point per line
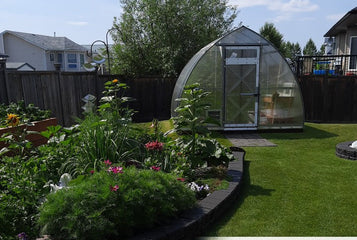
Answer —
196 221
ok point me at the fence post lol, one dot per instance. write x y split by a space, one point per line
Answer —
3 89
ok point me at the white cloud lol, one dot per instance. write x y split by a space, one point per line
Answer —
298 6
77 23
278 5
285 10
335 17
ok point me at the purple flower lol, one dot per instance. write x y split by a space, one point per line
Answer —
22 236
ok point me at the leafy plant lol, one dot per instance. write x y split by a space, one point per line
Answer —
29 113
196 143
107 133
21 193
113 204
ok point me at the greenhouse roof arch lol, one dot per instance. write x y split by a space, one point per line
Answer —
251 84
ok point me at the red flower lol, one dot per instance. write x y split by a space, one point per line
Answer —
107 162
114 189
154 146
91 171
116 170
155 168
181 179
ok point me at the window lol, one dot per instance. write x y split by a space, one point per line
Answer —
353 60
52 57
81 59
59 58
72 60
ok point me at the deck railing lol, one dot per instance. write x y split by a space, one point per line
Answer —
332 65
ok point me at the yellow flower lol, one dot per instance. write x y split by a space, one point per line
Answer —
12 120
115 81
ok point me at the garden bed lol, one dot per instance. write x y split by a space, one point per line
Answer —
196 221
37 126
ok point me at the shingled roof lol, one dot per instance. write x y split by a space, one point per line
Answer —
48 42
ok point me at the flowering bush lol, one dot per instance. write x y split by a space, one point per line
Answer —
111 205
201 190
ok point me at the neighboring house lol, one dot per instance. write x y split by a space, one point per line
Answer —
343 35
340 50
19 66
42 52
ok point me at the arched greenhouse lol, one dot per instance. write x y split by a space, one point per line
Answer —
252 86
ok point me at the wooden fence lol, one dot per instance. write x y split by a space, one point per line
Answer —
61 92
329 99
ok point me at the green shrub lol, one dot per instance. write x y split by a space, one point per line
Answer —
108 205
21 192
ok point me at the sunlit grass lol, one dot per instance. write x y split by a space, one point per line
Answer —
299 188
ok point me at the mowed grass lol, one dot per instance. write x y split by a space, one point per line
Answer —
299 188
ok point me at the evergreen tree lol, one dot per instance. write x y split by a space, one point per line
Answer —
292 50
270 32
310 48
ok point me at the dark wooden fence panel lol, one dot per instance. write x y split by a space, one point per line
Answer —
329 99
3 88
61 92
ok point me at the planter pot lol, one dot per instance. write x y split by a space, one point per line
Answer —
36 139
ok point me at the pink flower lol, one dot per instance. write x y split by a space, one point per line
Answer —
115 170
107 162
91 171
154 146
114 189
181 179
155 168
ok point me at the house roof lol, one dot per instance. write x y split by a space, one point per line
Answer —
350 19
18 66
48 42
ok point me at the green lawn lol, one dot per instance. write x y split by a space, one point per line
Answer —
299 188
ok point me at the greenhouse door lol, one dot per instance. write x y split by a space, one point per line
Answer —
241 88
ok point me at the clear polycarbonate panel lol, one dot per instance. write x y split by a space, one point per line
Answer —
242 36
208 73
191 67
280 97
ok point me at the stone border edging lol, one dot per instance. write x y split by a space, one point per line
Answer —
196 221
343 150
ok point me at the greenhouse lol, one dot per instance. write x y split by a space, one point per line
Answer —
251 84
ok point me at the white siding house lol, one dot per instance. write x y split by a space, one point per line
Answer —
43 52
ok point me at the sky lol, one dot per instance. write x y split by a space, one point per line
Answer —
85 21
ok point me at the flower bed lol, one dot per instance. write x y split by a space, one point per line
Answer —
37 126
124 179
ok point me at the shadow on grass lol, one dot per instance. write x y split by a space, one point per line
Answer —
246 189
308 133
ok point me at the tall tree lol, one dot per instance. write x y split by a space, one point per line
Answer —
292 50
270 32
158 37
310 48
322 50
